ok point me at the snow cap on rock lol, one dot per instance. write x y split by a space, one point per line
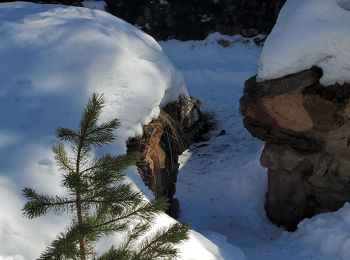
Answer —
308 33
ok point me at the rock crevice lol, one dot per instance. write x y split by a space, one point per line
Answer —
164 139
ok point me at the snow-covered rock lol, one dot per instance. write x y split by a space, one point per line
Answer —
52 58
307 33
55 51
305 127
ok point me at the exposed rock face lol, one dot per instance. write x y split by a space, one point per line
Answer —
195 19
164 139
306 129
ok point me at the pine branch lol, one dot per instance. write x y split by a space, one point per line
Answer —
110 167
160 245
116 253
106 127
91 113
143 211
120 196
66 134
62 158
39 204
63 247
137 231
124 251
102 134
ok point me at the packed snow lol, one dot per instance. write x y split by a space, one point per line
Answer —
54 57
308 33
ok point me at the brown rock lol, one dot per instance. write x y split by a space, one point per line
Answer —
347 110
287 198
163 140
276 157
306 129
288 112
338 141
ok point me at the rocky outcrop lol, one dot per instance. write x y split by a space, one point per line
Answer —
195 19
306 130
163 140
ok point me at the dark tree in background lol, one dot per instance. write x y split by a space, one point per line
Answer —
195 19
192 19
98 200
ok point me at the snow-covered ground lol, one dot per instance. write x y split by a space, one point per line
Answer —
307 33
44 82
52 59
221 186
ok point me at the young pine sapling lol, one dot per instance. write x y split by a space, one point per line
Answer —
99 201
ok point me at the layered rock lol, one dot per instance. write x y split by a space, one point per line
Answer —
306 130
163 140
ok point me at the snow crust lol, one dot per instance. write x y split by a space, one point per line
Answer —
307 33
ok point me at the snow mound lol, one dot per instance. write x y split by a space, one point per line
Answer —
71 52
52 59
329 233
307 33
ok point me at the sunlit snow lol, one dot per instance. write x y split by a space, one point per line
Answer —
308 33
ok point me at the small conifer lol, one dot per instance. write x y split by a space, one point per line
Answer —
99 201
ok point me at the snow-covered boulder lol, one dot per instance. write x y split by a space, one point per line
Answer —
304 124
308 33
305 127
51 59
57 52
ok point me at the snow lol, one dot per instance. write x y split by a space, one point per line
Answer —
328 232
212 246
221 186
53 57
200 248
68 52
307 33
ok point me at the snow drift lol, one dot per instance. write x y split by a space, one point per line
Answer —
52 59
66 51
328 232
307 33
